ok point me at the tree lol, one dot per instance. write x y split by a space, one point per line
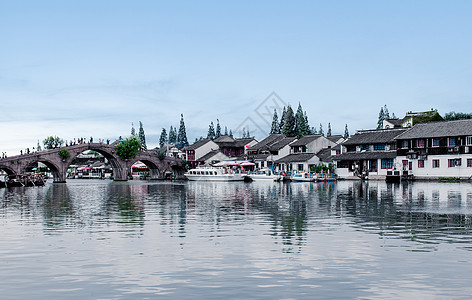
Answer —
301 125
381 118
329 130
163 138
128 147
282 119
142 136
38 147
211 131
346 132
218 129
64 153
289 123
321 130
275 129
386 114
182 135
450 116
313 130
230 133
172 136
226 130
133 131
52 142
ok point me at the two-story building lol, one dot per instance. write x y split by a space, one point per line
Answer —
232 147
201 148
437 149
368 154
311 144
270 149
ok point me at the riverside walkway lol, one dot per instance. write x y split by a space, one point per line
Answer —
158 166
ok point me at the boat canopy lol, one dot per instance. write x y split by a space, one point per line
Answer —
228 163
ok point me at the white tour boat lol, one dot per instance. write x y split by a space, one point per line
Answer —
214 174
264 175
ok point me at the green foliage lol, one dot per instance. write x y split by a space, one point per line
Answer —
289 123
218 129
128 147
329 130
322 168
211 131
52 142
163 138
142 136
64 153
182 135
282 120
172 135
346 132
301 123
451 116
275 129
433 117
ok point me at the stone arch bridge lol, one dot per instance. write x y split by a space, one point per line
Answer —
158 166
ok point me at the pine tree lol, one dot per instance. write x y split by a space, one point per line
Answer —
301 126
346 132
38 147
321 129
142 136
172 135
282 119
381 118
386 114
230 133
329 130
226 130
313 130
211 131
289 123
133 131
163 138
182 135
308 131
218 129
275 129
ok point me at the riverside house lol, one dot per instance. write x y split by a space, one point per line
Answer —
198 150
437 149
232 147
270 149
368 154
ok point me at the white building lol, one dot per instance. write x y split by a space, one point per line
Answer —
438 149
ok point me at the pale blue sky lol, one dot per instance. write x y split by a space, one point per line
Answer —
83 68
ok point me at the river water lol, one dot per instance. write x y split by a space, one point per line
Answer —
92 239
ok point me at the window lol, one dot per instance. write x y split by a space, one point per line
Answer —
379 146
386 163
468 140
469 163
393 146
451 163
451 142
435 142
404 144
300 167
420 143
435 163
420 163
364 147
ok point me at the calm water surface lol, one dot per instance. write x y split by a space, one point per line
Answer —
194 240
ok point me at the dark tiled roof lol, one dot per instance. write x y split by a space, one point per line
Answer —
209 155
197 144
282 143
259 156
374 136
296 157
237 143
267 142
335 138
365 155
224 138
325 155
438 129
306 140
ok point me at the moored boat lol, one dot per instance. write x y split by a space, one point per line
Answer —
264 175
214 174
303 176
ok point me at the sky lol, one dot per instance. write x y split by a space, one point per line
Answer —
92 68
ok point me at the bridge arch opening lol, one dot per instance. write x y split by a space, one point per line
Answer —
94 162
153 170
7 170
